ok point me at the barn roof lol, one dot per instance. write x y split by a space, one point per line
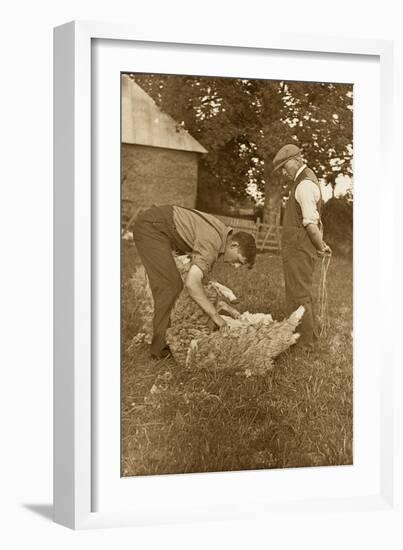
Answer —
143 123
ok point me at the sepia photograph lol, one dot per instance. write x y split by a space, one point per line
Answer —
236 274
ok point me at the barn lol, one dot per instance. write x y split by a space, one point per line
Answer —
159 158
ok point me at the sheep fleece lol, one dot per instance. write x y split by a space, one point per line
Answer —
249 343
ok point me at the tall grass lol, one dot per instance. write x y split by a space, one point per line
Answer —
178 421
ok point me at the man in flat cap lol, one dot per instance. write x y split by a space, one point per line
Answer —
161 230
302 234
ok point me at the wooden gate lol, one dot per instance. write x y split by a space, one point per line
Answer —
268 236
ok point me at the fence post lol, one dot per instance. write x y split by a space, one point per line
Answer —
257 228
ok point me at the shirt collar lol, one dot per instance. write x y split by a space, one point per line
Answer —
299 171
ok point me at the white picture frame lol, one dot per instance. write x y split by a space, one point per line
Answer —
76 471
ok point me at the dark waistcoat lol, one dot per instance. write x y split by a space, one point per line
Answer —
294 234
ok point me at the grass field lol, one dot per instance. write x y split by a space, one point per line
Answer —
178 421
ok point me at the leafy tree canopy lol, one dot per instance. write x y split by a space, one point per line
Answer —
243 122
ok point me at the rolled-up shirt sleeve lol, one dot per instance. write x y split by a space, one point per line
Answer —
205 250
307 195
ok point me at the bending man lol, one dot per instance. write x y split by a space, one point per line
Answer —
302 233
163 229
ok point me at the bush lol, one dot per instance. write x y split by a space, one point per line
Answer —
337 218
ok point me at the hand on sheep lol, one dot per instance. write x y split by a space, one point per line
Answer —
218 322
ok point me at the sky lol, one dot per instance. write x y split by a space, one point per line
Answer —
343 183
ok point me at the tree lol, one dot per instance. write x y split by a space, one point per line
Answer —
243 122
317 117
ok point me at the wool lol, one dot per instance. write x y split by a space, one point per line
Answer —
142 297
249 343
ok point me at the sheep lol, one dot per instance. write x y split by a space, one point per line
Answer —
142 297
188 320
248 343
184 308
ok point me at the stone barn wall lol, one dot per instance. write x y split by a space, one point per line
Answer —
153 175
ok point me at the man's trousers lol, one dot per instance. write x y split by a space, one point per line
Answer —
298 268
155 237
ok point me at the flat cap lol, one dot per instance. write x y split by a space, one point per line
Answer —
287 152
